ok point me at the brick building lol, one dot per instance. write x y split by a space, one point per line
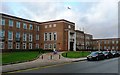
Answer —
19 33
59 34
83 40
106 44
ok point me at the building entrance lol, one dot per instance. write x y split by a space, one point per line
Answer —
71 46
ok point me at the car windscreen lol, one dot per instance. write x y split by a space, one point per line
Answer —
94 53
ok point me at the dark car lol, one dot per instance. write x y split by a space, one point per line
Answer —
107 54
115 53
95 56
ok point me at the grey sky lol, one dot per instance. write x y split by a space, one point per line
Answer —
97 18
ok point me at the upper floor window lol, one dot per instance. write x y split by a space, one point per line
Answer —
2 21
11 23
45 26
30 37
24 25
24 37
31 27
37 37
50 25
50 36
10 35
17 34
55 36
69 26
2 33
54 25
37 28
113 42
17 24
45 36
116 41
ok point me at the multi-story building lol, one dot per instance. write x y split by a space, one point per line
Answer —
106 44
83 40
59 34
18 33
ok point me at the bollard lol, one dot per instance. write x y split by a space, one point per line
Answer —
66 54
51 57
59 56
42 57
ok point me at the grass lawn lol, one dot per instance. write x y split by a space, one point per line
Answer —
18 56
77 54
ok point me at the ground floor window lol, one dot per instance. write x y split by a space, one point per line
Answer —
30 45
45 46
17 45
37 46
10 45
1 45
24 45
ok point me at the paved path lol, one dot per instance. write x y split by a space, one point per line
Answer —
43 60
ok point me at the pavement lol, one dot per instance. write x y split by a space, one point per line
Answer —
46 59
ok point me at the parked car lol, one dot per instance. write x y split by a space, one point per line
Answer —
107 54
115 53
95 56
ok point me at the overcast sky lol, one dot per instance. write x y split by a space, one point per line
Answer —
97 17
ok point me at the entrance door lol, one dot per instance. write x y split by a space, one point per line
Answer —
71 46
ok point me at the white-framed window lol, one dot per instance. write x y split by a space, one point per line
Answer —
1 45
31 27
10 45
11 23
54 45
17 45
37 37
55 36
30 37
113 47
104 47
45 26
54 25
24 45
2 34
108 47
17 24
104 42
37 28
45 36
50 36
24 25
30 45
18 35
37 46
45 46
2 21
10 35
116 41
116 47
69 26
50 46
113 42
24 37
50 26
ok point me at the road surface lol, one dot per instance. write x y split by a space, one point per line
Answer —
107 67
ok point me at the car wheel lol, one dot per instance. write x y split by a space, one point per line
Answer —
107 57
97 58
